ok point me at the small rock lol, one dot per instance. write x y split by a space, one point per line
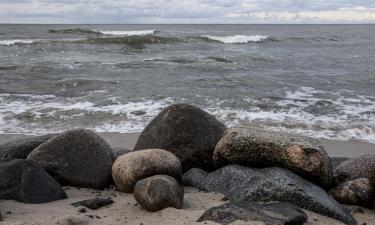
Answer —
360 167
356 192
71 220
82 210
117 152
159 192
195 177
269 213
1 217
128 169
94 203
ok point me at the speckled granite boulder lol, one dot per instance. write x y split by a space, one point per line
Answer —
187 131
274 184
159 192
356 192
258 148
78 158
360 167
128 169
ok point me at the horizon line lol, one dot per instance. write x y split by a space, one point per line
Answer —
372 23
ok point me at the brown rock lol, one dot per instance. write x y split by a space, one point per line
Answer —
360 167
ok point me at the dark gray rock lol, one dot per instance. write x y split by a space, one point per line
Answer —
159 192
26 181
94 203
187 131
117 152
257 148
195 177
21 148
337 161
274 184
1 217
279 213
360 167
78 158
356 192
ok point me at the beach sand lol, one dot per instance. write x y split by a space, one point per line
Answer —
124 210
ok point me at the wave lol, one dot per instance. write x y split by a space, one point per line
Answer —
77 31
16 41
129 33
237 39
135 41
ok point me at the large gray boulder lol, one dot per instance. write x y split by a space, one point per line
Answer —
159 192
257 148
280 213
187 131
26 181
274 184
21 148
359 167
128 169
78 158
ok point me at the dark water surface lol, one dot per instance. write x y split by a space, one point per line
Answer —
318 80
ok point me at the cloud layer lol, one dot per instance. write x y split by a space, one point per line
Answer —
187 11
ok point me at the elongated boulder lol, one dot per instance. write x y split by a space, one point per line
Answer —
78 158
356 192
128 169
258 148
21 148
359 167
159 192
279 213
26 181
187 131
274 184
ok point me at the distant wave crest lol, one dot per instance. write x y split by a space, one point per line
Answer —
237 39
16 41
128 32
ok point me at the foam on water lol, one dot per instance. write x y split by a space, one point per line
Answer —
128 33
237 39
16 41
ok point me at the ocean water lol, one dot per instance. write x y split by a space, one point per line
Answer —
315 80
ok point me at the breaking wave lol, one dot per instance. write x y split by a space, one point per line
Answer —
237 39
129 33
16 41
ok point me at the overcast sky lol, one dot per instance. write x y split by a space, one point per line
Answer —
187 11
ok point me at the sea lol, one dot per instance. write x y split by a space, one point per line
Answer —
314 80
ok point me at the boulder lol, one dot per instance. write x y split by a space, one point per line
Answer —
128 169
258 148
356 192
159 192
279 213
187 131
78 158
26 181
194 177
117 152
359 167
274 184
94 203
21 148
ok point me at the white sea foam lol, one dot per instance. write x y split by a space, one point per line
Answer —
128 33
16 41
237 39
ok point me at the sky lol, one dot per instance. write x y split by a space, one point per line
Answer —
187 11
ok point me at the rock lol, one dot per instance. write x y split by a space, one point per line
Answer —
71 220
159 192
258 148
1 217
360 167
195 177
274 184
337 161
21 148
77 158
187 131
128 169
94 203
279 213
26 181
117 152
356 192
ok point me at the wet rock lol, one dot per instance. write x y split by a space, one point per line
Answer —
128 169
26 181
21 148
274 184
360 167
279 213
77 158
194 177
187 131
94 203
356 192
258 148
337 161
159 192
117 152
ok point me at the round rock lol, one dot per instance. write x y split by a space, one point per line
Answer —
128 169
360 167
78 158
159 192
187 131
